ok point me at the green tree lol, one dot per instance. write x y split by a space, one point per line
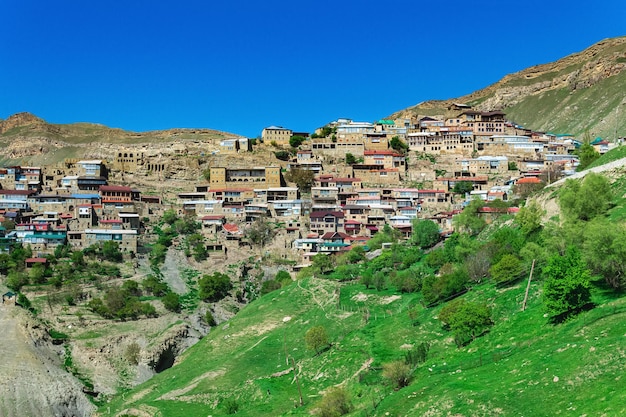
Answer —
36 275
462 187
529 218
508 269
269 286
425 233
316 339
214 287
398 373
170 216
587 200
16 280
469 220
605 251
586 153
111 251
296 140
350 159
282 155
398 145
466 319
158 253
283 277
566 290
322 263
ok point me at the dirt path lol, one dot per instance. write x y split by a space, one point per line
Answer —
33 384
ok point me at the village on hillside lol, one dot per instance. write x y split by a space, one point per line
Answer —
348 180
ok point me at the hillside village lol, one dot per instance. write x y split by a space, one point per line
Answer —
358 178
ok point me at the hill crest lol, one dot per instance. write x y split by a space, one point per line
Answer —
560 92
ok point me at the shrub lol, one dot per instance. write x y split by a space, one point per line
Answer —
171 301
398 373
335 403
209 319
316 339
467 320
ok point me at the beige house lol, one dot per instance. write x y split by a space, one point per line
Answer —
244 178
277 134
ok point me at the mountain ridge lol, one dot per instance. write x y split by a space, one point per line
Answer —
564 85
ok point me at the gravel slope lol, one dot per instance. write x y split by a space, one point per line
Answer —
32 382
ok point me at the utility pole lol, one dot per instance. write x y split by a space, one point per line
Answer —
295 375
528 286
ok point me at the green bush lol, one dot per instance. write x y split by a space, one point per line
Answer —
214 287
467 320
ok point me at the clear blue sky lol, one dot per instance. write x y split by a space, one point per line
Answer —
240 66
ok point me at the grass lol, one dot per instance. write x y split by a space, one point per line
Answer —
522 363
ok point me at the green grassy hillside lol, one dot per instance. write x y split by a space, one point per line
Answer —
522 366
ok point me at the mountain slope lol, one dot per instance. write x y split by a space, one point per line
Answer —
578 93
25 138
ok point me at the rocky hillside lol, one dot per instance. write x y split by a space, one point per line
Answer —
25 138
575 94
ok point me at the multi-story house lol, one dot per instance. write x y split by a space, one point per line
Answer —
483 165
117 198
385 159
276 134
236 145
126 238
244 178
326 221
15 200
21 178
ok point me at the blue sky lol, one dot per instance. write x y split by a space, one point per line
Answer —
239 66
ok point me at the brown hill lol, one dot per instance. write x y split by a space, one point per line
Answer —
578 93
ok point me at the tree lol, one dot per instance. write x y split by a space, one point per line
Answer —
36 275
214 287
508 269
587 200
335 403
169 216
350 159
322 263
566 290
586 153
296 140
316 339
282 155
462 187
398 145
398 373
466 319
302 177
260 232
16 280
425 233
469 220
605 251
529 218
111 251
